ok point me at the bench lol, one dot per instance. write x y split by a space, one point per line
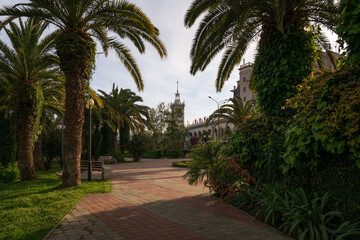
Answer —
95 166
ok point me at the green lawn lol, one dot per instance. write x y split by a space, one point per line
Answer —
29 210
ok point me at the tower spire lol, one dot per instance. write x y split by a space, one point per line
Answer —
177 86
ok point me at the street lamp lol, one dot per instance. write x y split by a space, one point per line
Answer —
89 105
218 107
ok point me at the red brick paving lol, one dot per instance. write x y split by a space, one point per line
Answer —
151 200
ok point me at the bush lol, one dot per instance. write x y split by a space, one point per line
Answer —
9 173
301 215
154 154
7 142
259 144
184 164
175 153
120 157
323 142
194 140
138 146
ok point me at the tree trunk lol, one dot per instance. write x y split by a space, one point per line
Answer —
24 132
76 51
114 141
38 161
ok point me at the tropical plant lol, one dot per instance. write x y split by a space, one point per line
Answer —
280 25
24 66
79 23
207 159
234 113
123 112
302 215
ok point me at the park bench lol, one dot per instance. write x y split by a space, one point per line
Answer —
95 166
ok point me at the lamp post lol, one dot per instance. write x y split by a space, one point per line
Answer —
89 105
218 107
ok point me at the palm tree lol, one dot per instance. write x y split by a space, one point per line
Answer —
79 23
235 112
280 25
123 111
53 93
233 25
23 66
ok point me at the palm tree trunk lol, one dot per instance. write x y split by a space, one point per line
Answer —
76 51
114 141
39 164
24 135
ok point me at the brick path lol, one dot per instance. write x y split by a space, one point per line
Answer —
150 200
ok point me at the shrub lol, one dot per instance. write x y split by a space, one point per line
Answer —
7 142
155 154
323 142
259 146
302 215
194 140
220 173
120 157
9 173
327 122
184 164
175 153
138 146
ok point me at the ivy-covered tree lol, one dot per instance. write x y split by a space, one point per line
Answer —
285 49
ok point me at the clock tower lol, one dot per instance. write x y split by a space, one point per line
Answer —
178 107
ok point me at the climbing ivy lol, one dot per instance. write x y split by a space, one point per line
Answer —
280 65
349 28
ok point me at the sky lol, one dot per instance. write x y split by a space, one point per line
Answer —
161 76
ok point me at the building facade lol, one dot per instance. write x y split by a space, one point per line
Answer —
243 90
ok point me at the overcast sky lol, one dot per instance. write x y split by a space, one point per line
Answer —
160 76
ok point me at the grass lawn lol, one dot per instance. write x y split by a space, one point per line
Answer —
29 210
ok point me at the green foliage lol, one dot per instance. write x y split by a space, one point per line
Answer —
259 145
138 146
9 172
228 27
76 48
175 153
154 154
327 122
279 67
184 164
7 142
120 157
30 209
222 175
301 215
349 29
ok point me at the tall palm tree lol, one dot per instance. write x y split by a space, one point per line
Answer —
23 65
233 24
53 93
234 112
123 111
79 23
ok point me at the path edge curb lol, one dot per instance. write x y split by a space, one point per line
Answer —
53 229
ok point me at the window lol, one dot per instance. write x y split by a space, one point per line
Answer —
244 79
244 99
244 89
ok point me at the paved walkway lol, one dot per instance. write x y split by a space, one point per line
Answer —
150 200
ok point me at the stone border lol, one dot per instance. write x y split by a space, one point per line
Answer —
53 229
